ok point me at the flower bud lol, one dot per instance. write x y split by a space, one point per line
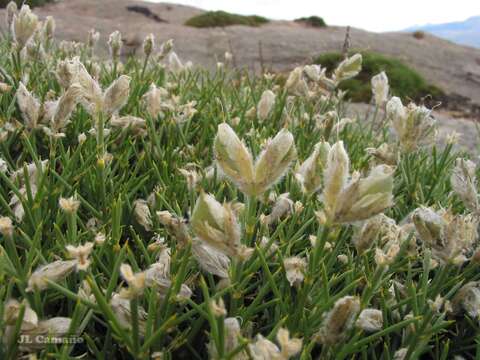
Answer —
265 105
234 159
274 161
217 225
148 44
380 88
115 45
335 175
210 259
116 95
11 11
24 25
141 212
348 68
6 226
310 173
464 183
338 321
49 27
29 106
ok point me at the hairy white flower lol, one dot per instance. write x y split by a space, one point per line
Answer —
265 105
81 253
414 125
380 88
348 68
295 268
24 25
339 320
370 320
464 183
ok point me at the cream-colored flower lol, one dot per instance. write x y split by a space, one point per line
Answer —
6 226
283 206
69 205
24 25
142 214
148 44
380 88
370 320
361 198
135 281
449 236
217 225
464 183
115 45
310 173
217 307
265 105
81 253
414 125
210 259
295 268
338 321
348 68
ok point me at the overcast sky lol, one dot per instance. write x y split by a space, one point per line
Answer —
373 15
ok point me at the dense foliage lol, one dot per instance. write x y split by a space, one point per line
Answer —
405 82
223 18
313 21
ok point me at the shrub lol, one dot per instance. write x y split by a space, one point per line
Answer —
313 21
223 18
419 35
404 81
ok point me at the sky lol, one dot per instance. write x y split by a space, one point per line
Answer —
373 15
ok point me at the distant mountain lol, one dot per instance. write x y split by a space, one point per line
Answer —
462 32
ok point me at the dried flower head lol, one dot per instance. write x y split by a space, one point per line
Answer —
283 206
467 300
122 310
135 281
29 106
10 11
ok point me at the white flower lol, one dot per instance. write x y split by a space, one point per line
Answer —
81 253
380 88
295 268
370 320
265 105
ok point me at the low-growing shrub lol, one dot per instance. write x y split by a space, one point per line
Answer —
313 21
419 34
223 18
405 82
